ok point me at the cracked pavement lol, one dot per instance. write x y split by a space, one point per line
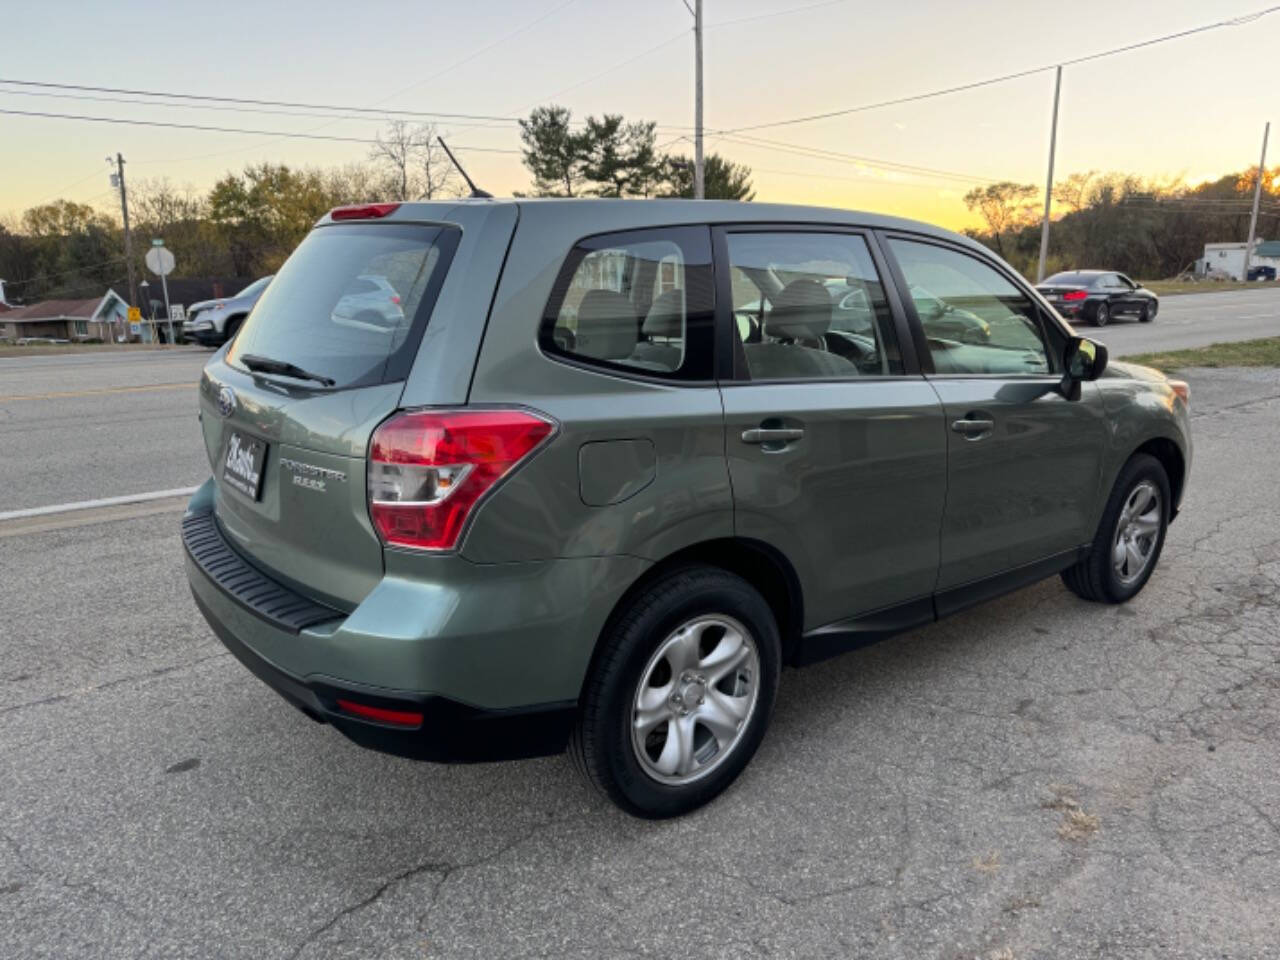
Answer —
1035 778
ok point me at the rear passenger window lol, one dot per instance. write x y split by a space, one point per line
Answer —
810 306
640 302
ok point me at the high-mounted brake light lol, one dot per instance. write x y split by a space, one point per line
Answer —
1075 295
364 211
429 468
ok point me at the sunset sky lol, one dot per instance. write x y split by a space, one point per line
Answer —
1192 107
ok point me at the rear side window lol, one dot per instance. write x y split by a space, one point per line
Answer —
352 301
810 306
639 302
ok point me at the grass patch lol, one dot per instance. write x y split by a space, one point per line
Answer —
1245 353
1078 825
1172 288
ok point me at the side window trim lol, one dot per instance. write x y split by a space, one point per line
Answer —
731 364
701 373
920 339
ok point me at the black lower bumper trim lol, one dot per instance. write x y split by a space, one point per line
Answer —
451 731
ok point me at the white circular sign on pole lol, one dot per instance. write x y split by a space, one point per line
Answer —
160 261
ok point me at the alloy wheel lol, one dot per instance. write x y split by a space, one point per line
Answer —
1137 532
695 699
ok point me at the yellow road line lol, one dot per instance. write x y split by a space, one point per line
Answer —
101 391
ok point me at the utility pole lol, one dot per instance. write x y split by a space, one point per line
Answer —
128 239
1257 198
699 183
1048 187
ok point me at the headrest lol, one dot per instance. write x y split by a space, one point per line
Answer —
801 311
666 316
607 327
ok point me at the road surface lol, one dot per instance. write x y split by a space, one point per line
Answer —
1195 320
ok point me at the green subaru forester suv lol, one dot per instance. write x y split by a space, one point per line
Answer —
496 478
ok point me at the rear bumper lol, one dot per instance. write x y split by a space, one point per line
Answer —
450 731
492 657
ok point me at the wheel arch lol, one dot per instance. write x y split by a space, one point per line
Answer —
763 566
1175 466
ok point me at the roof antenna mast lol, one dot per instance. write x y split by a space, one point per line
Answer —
475 191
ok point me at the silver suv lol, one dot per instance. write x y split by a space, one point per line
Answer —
214 322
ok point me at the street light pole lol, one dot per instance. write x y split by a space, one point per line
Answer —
1257 198
1048 187
699 183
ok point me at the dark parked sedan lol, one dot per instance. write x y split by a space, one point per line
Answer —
1099 296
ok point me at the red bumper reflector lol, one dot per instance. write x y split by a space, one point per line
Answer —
400 718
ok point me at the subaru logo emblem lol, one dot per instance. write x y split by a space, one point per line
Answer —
226 401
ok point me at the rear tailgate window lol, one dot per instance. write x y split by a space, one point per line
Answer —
352 302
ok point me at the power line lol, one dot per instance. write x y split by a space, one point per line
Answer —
1233 22
503 124
672 39
476 53
603 73
836 156
208 129
375 111
75 183
776 13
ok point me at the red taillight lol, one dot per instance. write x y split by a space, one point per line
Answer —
429 468
363 211
1075 295
399 718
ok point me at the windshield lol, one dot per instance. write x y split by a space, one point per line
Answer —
351 303
253 288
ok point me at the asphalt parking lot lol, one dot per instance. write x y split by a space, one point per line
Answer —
1036 778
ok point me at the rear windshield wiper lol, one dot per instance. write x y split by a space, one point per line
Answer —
284 369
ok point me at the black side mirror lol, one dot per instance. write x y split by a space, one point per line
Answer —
1083 360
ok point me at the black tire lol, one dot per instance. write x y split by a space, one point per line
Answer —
1094 577
601 746
1101 315
1148 313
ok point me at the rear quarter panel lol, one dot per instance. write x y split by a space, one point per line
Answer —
540 511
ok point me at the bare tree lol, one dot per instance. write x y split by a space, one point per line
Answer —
396 151
159 204
438 176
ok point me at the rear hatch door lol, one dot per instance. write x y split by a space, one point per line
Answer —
288 407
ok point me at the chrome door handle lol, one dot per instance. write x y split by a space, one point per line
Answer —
772 434
973 428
